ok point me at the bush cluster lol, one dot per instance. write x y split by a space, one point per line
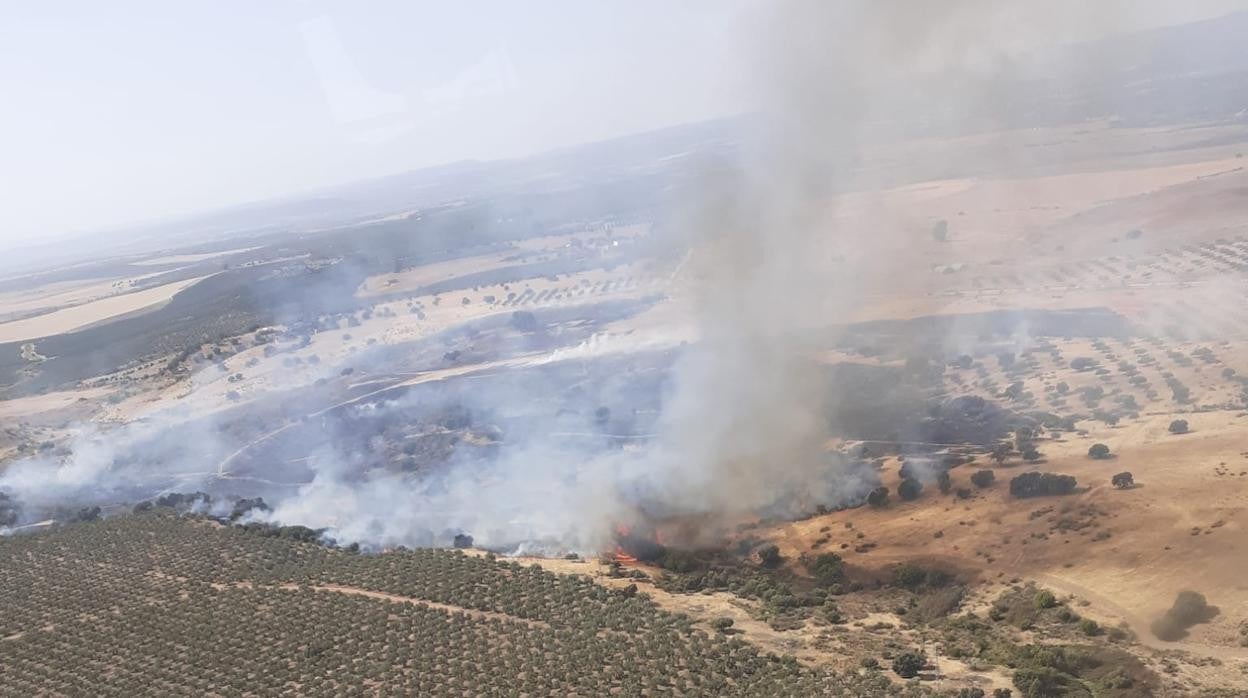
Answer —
1037 484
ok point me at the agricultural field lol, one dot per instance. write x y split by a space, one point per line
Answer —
158 603
1004 359
960 413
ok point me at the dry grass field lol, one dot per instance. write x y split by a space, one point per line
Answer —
89 313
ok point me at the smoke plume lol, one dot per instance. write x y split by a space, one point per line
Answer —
774 266
775 262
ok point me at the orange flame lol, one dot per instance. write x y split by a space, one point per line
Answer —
622 531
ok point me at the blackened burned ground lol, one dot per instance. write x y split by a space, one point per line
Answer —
589 406
373 418
378 418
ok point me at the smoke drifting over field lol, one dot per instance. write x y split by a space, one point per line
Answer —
746 427
744 417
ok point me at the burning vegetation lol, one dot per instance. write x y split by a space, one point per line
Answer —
695 358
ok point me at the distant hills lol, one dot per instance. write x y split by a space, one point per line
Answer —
1195 72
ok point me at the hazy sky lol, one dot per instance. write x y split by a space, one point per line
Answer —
121 112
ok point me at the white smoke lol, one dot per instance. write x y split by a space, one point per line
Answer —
773 265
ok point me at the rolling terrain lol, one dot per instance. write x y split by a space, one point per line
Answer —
421 435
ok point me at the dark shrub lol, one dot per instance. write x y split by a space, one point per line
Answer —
242 506
983 478
680 560
909 576
907 665
828 569
909 489
1098 451
524 321
1178 426
1001 452
831 613
769 555
302 534
87 514
183 501
1042 682
1123 480
1037 484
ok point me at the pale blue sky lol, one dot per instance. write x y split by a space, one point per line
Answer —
128 111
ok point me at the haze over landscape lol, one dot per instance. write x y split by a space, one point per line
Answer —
139 115
733 348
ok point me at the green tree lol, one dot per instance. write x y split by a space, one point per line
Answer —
831 613
828 569
983 478
1045 599
908 664
1001 452
1098 451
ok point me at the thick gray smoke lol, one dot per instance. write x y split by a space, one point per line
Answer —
772 265
776 264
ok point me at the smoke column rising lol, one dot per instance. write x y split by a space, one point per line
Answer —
746 426
772 267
